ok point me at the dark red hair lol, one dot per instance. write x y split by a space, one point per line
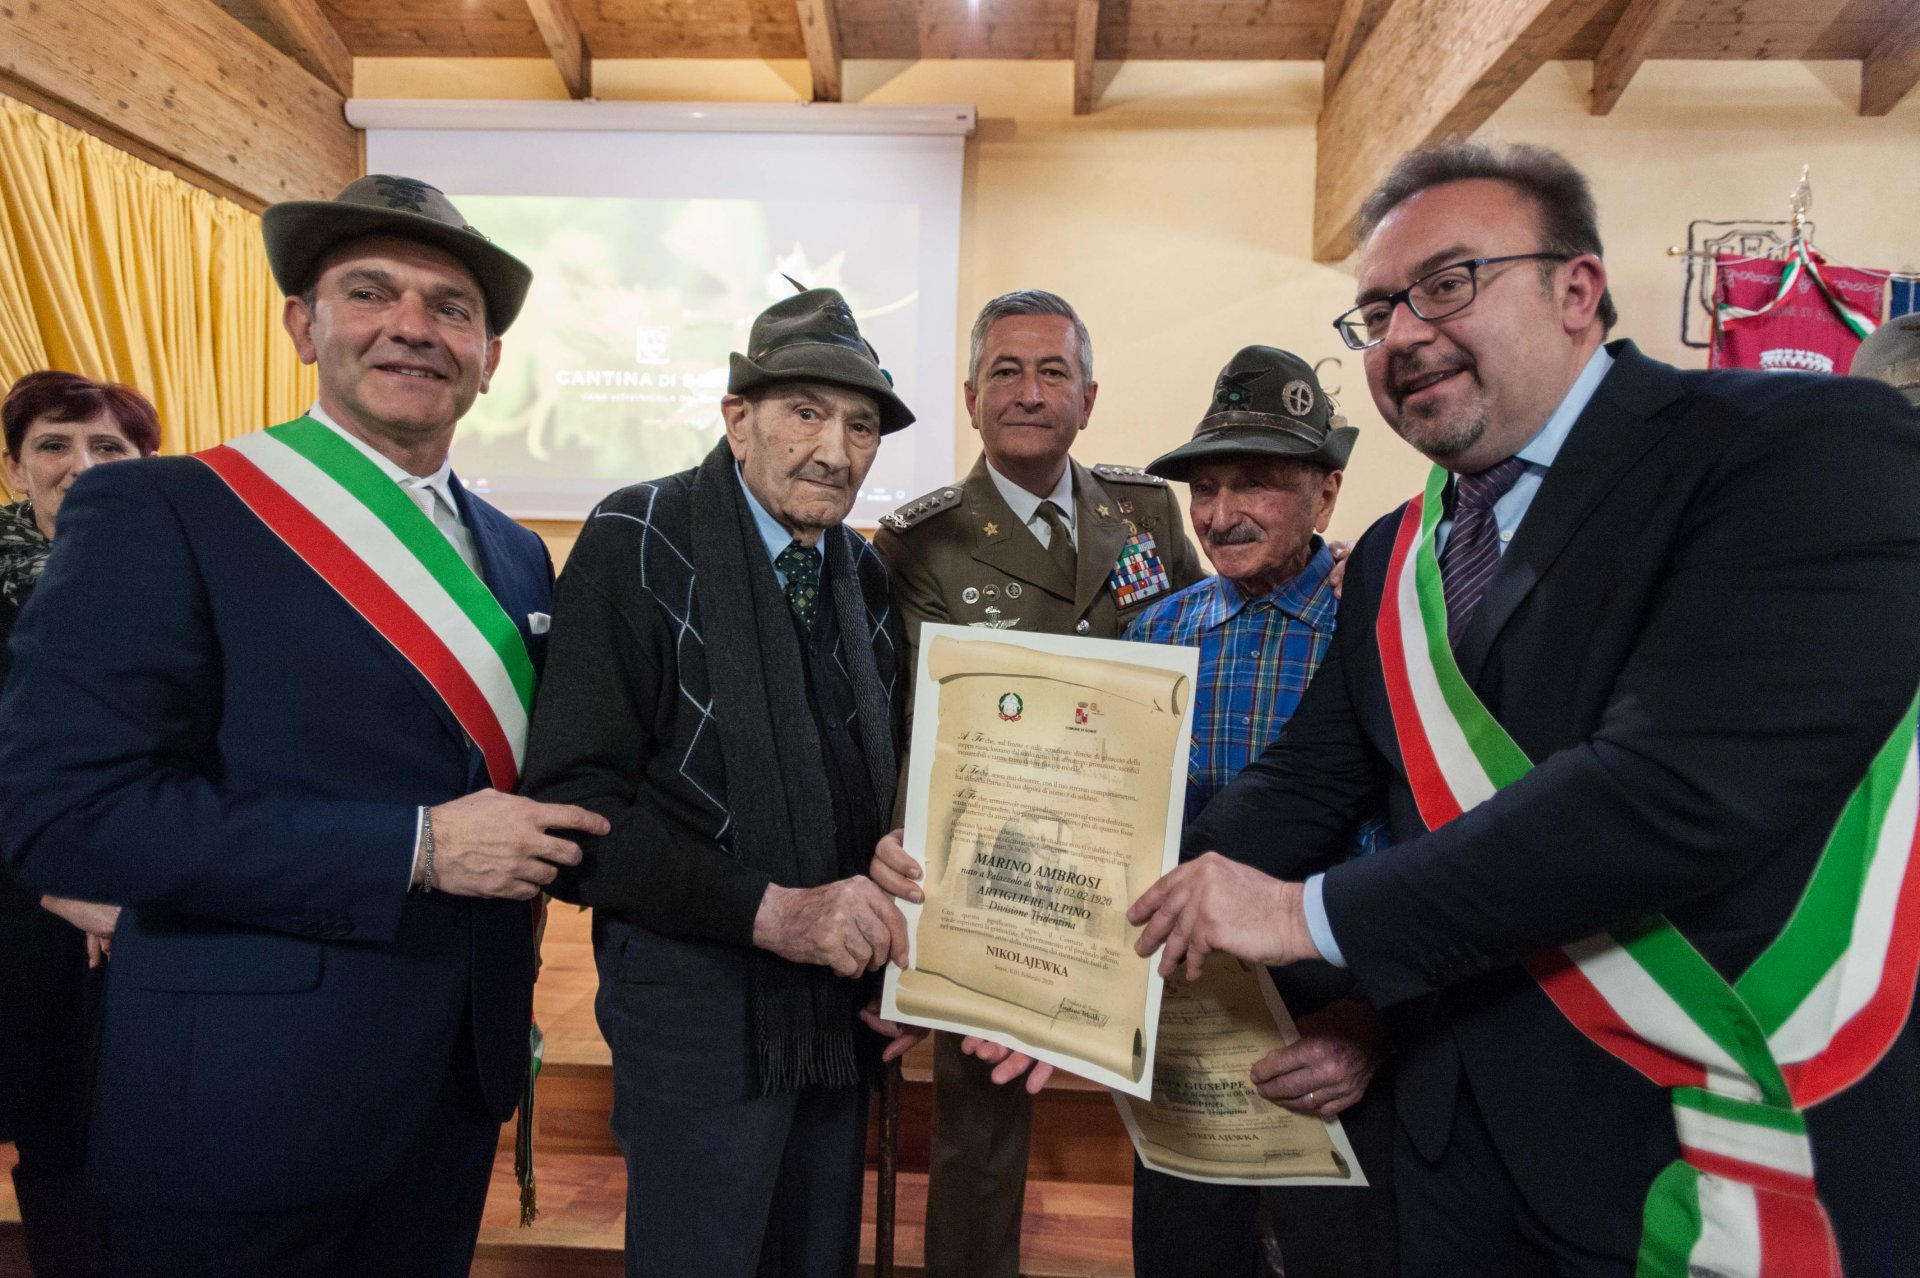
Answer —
69 397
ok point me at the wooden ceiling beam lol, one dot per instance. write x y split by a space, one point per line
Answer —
1431 69
1086 36
560 30
1626 47
311 40
820 32
1351 27
199 90
1889 72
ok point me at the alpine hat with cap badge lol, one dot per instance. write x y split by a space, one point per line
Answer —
1891 354
812 337
1266 403
298 233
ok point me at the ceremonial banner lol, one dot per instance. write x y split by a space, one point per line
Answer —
1206 1122
1800 314
1044 795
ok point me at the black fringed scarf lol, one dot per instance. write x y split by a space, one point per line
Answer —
779 808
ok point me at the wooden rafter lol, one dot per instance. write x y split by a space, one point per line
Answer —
308 35
1889 73
820 32
200 91
1473 54
560 29
1086 35
1626 47
1351 27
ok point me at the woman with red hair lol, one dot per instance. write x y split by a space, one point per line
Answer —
58 426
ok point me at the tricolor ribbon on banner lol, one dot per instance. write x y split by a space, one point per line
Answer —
1809 1018
1803 260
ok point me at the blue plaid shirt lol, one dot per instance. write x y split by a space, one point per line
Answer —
1256 657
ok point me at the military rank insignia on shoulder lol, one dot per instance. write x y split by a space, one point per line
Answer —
1128 475
917 510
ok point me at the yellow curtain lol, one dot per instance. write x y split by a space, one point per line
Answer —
112 268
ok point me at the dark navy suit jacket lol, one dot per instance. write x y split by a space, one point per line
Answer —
1701 633
200 729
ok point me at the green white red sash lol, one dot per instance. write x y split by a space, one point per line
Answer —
368 540
1809 1018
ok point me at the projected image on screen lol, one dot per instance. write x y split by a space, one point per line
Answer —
614 371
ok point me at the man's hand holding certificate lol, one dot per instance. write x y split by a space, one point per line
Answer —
1212 903
1231 1102
1042 833
1043 796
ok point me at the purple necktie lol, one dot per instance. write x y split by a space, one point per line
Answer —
1473 544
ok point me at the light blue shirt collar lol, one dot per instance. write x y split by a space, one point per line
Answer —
1545 444
1538 453
772 535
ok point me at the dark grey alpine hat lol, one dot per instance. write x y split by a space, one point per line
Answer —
1268 403
812 337
1891 354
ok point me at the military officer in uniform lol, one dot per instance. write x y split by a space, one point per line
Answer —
1029 540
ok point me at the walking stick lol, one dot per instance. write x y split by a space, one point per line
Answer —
884 1199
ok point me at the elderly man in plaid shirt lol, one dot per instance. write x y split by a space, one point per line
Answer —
1263 471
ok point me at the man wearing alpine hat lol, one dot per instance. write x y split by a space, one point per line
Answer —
1891 354
273 701
1263 471
726 687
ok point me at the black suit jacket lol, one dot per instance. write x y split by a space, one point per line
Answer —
1703 629
203 730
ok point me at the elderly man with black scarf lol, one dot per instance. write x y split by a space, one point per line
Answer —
724 684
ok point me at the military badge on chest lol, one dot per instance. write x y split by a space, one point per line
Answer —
983 605
1138 575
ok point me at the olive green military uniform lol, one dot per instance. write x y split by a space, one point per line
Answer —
960 555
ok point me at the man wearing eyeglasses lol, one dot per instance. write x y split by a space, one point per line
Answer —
1616 675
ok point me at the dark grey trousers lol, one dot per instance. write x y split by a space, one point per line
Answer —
719 1185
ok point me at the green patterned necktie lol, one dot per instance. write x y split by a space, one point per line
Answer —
801 564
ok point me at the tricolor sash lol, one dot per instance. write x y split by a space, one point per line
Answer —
1743 1061
368 540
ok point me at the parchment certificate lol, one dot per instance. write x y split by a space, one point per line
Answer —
1043 795
1206 1122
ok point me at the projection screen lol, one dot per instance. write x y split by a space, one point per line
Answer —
656 233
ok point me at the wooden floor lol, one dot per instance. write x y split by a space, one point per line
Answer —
1079 1176
1078 1196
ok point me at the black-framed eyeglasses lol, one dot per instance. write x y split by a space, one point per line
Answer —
1444 291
